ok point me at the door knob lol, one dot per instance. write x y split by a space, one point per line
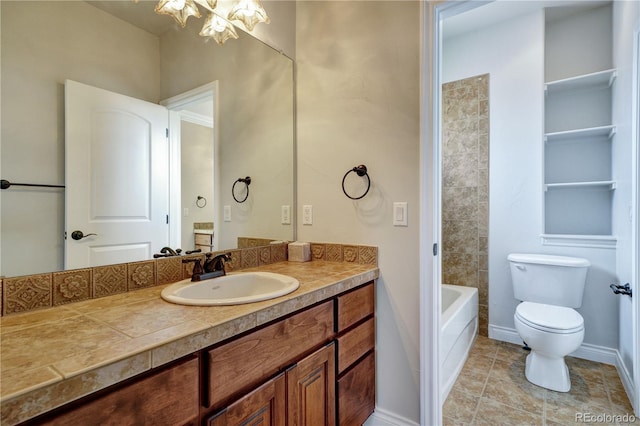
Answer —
78 235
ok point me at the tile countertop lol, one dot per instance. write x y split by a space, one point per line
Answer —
54 356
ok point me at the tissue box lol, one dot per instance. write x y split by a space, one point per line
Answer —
299 252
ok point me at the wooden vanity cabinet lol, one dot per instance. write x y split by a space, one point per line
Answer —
264 406
167 397
304 395
333 385
315 367
356 355
238 366
311 389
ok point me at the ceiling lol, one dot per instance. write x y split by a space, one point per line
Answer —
488 14
140 13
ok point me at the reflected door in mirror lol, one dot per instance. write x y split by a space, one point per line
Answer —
116 177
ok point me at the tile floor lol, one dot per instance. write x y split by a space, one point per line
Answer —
492 390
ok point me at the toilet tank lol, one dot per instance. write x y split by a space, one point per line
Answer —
554 280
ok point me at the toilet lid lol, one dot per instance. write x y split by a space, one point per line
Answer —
551 318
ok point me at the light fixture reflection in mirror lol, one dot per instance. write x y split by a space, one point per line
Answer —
180 10
218 28
249 12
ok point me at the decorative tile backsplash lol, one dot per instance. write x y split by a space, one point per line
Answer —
71 286
31 292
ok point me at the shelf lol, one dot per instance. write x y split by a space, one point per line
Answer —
605 184
595 241
606 131
596 79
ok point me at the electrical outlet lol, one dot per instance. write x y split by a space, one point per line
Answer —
185 212
227 213
285 215
307 214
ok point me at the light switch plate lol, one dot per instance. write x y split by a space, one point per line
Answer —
227 213
307 214
400 214
285 214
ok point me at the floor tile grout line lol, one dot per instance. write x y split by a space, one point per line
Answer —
484 386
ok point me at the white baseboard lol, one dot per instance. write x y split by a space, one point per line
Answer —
627 381
585 351
382 417
504 334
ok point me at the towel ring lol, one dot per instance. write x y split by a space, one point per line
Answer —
360 170
200 203
247 182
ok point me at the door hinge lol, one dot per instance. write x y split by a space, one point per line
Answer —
435 249
166 132
167 219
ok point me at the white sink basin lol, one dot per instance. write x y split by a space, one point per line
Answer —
232 289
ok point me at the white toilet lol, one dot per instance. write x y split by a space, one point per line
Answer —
549 288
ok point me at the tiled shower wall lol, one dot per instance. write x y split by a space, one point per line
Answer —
465 187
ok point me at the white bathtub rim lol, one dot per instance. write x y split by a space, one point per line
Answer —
457 335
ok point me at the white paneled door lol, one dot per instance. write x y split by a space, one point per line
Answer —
116 177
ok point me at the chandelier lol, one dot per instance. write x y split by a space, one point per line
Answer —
216 26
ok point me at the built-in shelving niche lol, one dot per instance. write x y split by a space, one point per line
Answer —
578 187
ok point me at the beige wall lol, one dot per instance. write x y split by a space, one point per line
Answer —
44 43
358 102
254 130
196 156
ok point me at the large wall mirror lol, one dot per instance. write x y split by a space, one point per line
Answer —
125 48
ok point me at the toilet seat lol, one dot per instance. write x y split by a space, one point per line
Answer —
550 318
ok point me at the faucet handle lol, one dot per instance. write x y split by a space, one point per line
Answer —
197 268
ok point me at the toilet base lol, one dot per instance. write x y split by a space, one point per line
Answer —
547 372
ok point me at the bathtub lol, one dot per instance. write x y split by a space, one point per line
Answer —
458 332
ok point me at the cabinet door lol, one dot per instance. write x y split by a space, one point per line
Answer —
264 406
311 389
169 397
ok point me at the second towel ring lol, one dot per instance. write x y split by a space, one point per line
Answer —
360 170
247 182
201 201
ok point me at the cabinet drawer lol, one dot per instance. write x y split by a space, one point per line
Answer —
355 343
354 306
203 239
169 397
356 393
240 365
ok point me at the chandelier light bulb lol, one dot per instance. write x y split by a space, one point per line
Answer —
249 12
218 28
180 10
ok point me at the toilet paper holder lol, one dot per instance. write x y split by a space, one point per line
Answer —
621 289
